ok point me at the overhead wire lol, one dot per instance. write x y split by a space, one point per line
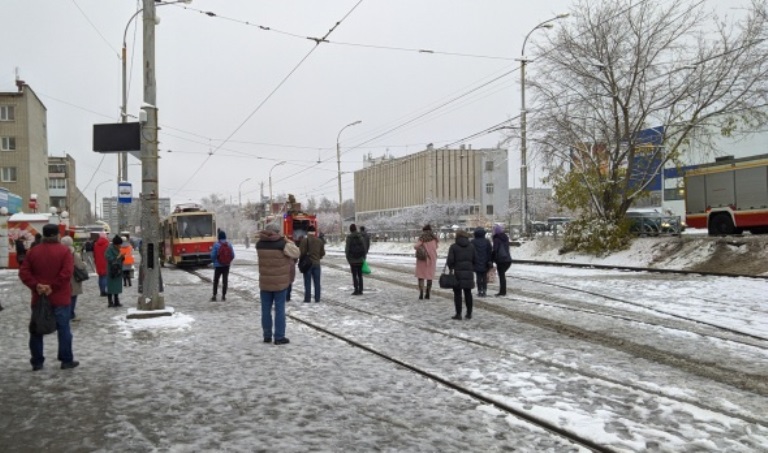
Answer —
269 96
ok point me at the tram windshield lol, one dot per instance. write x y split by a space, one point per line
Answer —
190 226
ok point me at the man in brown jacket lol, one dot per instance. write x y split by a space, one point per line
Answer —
276 257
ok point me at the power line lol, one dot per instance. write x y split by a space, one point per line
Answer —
282 82
339 43
96 29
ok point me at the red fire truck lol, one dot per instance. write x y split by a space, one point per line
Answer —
729 196
293 222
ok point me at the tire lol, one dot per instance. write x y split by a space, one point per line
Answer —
721 225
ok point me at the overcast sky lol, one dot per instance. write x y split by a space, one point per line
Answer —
219 78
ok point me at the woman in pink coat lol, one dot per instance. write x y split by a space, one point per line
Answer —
426 259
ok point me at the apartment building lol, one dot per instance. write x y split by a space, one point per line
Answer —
63 191
475 178
24 146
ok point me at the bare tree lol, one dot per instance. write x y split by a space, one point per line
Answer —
622 67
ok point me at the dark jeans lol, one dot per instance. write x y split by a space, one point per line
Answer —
72 304
357 277
501 268
223 272
312 275
482 282
268 299
467 298
64 333
103 284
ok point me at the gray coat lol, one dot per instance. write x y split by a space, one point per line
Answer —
461 259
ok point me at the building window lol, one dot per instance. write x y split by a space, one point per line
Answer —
7 113
489 188
488 165
57 183
57 168
8 174
674 194
8 144
489 209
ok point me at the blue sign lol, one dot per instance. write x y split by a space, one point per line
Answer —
124 192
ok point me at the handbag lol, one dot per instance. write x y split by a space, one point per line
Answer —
305 263
80 275
447 279
366 268
43 320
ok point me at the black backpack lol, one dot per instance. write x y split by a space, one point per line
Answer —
357 248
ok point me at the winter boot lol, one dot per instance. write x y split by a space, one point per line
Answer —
421 289
110 304
429 288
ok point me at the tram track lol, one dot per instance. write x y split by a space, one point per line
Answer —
743 338
552 428
752 382
492 347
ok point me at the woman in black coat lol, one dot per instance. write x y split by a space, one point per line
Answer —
483 263
461 260
501 257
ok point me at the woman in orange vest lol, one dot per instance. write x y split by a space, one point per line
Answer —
127 251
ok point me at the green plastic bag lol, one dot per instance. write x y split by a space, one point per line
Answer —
366 267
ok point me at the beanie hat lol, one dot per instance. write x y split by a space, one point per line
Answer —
50 230
311 228
498 229
272 228
117 240
222 235
66 240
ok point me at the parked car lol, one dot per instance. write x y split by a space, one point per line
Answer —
653 222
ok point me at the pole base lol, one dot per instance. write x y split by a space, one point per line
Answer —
134 313
151 303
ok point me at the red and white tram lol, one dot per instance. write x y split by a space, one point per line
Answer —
188 236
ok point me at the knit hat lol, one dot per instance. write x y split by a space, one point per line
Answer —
50 230
66 240
272 228
311 228
498 229
222 235
117 240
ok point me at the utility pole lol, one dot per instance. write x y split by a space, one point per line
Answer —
150 299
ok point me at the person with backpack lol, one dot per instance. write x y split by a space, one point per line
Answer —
355 252
501 257
126 249
483 264
426 259
88 258
222 256
314 248
114 272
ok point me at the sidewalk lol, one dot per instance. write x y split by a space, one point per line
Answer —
211 384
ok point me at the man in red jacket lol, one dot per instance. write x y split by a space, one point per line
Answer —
47 270
99 250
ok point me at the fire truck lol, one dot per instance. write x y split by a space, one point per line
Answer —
293 222
729 196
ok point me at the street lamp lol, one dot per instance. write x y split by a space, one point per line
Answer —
122 163
523 150
239 200
95 199
338 164
270 185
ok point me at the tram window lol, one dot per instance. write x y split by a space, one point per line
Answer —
195 226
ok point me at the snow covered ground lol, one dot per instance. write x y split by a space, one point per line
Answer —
631 361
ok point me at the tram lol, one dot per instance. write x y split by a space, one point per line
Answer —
188 236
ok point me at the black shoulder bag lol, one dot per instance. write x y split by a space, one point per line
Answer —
43 320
